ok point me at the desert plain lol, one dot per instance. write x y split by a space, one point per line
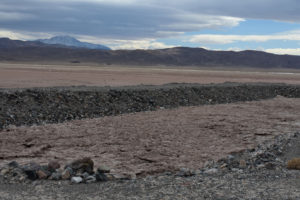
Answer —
148 142
37 75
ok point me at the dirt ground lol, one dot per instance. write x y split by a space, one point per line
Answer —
151 142
147 142
30 75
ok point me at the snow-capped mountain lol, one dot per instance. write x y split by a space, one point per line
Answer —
72 42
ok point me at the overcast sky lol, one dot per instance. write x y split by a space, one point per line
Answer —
269 25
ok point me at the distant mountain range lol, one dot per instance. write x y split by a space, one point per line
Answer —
6 43
72 42
36 51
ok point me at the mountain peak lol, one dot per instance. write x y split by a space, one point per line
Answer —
64 37
72 42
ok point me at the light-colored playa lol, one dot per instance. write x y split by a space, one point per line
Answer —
150 142
29 75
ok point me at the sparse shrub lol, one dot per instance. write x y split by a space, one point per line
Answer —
294 164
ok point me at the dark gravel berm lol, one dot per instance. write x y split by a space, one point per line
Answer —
54 105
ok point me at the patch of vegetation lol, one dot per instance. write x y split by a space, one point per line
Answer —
294 164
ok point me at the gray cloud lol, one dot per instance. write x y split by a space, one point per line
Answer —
132 19
282 10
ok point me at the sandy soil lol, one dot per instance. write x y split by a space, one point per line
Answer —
27 75
150 142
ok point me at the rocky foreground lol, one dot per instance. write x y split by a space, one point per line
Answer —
268 171
260 173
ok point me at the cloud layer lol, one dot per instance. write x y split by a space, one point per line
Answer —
227 39
108 19
283 51
138 19
139 23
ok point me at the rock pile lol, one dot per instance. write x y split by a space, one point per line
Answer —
265 156
79 171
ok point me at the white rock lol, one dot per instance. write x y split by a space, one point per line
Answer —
260 166
211 171
76 179
237 170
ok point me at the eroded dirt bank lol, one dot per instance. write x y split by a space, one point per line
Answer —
151 142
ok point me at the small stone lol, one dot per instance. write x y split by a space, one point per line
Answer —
41 174
22 178
233 164
186 172
103 169
53 165
211 171
82 165
130 176
46 170
31 166
237 170
209 163
110 177
55 176
120 177
67 173
85 175
90 179
270 166
76 179
5 171
31 175
30 170
167 173
13 164
223 166
260 166
101 177
16 172
230 157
